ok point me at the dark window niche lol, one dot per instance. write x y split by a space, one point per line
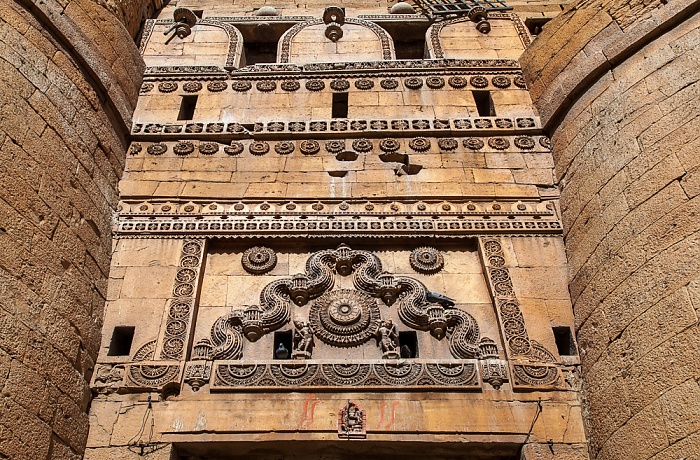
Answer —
259 52
410 49
122 337
283 338
484 103
340 105
408 344
534 25
187 106
564 340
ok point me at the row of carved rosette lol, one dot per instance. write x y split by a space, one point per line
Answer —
161 364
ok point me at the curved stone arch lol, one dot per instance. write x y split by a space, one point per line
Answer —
235 38
387 44
435 49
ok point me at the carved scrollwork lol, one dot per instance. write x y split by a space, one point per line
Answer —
153 376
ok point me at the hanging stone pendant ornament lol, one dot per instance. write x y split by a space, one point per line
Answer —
426 260
258 260
184 20
334 18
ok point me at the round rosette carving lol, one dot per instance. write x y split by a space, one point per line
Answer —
236 148
519 81
545 142
435 82
345 318
266 86
413 83
183 148
457 82
426 260
524 142
146 87
501 81
362 145
315 85
208 148
447 143
389 83
479 81
389 145
284 148
419 144
499 143
192 86
259 148
340 85
217 86
157 149
290 85
167 86
473 143
364 84
242 86
258 260
309 147
335 146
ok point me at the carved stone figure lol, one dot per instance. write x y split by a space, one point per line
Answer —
352 422
303 340
388 339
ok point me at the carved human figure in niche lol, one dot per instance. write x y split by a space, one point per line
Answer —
351 422
388 339
303 340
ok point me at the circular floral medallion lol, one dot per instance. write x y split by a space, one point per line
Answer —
457 82
340 84
266 86
413 83
447 143
344 318
242 86
500 81
290 85
335 146
192 86
499 143
208 148
284 148
503 123
258 260
389 145
217 86
389 83
315 85
419 144
167 86
236 148
426 260
146 87
259 148
362 145
435 82
519 81
524 142
183 148
157 149
309 147
364 84
479 81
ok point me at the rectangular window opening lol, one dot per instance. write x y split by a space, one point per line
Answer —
564 340
484 103
282 345
340 105
259 52
408 344
187 106
410 49
120 345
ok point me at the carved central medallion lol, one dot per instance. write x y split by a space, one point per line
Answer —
345 318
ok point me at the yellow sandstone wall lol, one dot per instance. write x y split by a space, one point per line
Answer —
616 84
69 79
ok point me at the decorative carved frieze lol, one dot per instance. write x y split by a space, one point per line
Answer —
410 375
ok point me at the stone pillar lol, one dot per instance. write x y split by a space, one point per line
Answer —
69 79
617 86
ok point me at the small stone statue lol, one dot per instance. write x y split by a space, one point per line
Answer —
388 340
303 341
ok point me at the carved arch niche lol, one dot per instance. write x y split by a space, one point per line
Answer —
459 38
211 43
306 43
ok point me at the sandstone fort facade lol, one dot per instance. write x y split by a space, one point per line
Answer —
365 229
